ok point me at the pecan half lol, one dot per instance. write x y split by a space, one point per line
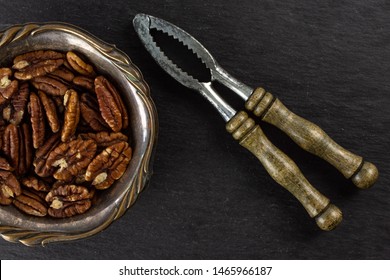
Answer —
11 145
84 82
50 85
4 165
14 112
42 154
63 73
9 187
111 105
7 87
37 120
70 158
109 165
79 65
31 203
36 184
89 108
104 139
36 63
25 150
68 200
72 115
51 111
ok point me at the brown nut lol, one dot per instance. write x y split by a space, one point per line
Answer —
25 150
41 155
109 165
4 165
84 82
79 65
89 108
36 184
111 105
51 111
14 112
37 120
36 63
31 204
50 85
68 200
9 187
70 158
104 139
11 145
72 115
7 87
62 73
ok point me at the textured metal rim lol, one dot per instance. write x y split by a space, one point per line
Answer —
134 77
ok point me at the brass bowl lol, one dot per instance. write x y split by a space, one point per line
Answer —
18 227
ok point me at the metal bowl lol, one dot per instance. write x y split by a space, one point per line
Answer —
18 227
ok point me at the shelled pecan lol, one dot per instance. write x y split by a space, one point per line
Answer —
69 200
36 63
37 120
71 157
8 87
14 111
109 165
9 187
31 203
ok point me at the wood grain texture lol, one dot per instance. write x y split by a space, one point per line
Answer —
312 138
208 197
283 170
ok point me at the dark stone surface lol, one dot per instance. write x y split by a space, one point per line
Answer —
209 198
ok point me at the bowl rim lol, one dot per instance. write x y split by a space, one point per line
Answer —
134 77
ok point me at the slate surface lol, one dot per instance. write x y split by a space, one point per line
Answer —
209 198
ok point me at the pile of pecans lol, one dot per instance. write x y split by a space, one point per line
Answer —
61 137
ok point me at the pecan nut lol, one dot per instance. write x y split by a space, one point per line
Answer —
50 85
9 187
89 108
7 87
79 65
14 112
104 139
37 120
109 165
4 165
51 111
70 158
25 150
72 115
31 203
63 73
84 82
111 105
41 155
36 63
68 200
11 145
36 184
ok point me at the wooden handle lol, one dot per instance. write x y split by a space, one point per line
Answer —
283 170
312 138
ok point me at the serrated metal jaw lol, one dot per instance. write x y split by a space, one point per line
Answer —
144 23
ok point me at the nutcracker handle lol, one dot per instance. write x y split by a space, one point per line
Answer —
312 138
284 171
